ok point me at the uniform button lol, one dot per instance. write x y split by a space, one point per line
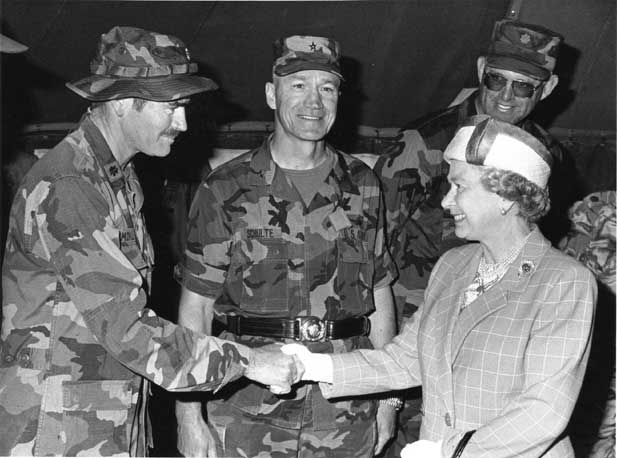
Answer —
24 357
9 358
448 419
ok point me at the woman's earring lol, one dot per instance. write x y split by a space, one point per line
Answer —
502 210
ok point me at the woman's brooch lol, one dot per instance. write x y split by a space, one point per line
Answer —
525 269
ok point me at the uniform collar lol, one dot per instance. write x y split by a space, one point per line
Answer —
266 171
122 179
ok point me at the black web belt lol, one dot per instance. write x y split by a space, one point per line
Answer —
303 328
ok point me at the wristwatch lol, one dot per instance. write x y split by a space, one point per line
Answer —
397 403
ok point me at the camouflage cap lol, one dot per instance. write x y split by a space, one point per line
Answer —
524 48
132 62
297 53
11 46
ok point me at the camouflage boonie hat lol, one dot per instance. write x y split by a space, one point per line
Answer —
297 53
524 48
132 62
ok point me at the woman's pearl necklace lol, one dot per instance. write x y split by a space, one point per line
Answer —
490 273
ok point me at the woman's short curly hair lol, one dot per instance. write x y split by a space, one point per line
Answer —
533 201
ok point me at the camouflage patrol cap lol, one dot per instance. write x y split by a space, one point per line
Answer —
132 62
524 48
297 53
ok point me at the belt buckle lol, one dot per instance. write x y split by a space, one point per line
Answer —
311 328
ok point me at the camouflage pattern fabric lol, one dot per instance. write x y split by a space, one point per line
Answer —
414 179
133 62
77 340
351 434
528 49
592 242
258 250
296 53
592 239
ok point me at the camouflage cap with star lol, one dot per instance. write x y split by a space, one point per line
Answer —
296 53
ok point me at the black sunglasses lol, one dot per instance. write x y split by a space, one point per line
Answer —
495 82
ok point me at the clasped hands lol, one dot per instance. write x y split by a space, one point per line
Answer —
281 366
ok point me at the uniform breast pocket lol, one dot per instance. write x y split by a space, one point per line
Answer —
355 271
264 275
97 416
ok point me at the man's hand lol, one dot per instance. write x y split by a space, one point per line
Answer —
269 366
386 426
194 436
422 449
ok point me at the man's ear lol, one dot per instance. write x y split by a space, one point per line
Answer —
481 64
271 95
549 85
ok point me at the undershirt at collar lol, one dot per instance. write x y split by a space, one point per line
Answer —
307 182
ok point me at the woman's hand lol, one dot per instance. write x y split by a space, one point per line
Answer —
422 449
317 366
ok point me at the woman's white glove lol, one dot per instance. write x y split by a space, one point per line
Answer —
422 449
317 366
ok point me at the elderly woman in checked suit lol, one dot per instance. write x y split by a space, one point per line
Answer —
502 341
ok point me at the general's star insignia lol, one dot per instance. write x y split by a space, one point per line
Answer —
525 38
313 46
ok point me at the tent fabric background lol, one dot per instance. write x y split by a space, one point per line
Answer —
403 59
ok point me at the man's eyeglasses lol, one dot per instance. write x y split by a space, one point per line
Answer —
495 82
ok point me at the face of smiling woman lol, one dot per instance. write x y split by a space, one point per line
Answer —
305 104
475 209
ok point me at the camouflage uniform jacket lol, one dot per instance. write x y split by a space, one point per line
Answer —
414 179
258 250
77 340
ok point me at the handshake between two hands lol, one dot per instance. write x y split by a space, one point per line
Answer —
281 366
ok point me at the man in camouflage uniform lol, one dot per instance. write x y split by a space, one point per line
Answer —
514 76
78 346
287 242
